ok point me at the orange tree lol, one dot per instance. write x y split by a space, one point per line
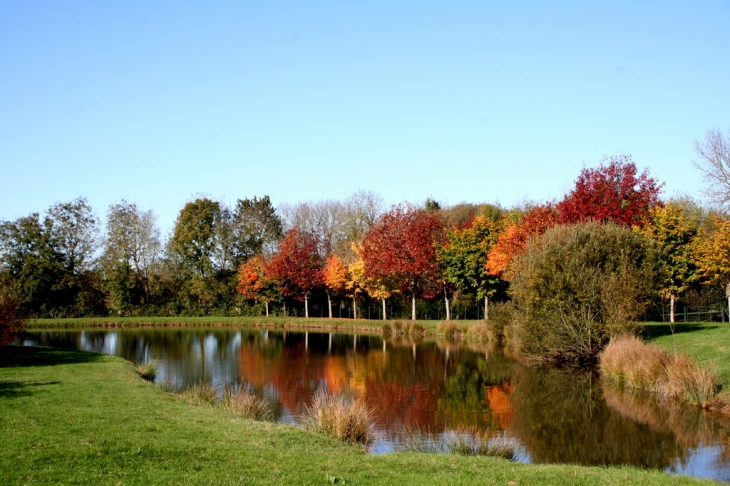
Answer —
401 247
297 266
254 284
335 280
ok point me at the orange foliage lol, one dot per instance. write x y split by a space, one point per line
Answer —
335 275
513 240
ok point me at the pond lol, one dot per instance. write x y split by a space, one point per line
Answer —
552 415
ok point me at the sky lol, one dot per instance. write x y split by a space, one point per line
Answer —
159 102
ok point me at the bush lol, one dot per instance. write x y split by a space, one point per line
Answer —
577 286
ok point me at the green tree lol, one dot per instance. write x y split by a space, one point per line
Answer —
194 239
576 286
464 258
257 229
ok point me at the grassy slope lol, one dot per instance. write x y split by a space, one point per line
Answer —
707 343
83 418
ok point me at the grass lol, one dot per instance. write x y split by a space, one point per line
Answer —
464 440
628 361
73 417
708 344
148 371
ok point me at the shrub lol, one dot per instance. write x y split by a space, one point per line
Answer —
500 316
246 403
333 416
577 286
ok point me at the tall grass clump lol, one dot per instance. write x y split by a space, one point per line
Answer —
244 402
348 420
449 330
387 329
416 330
464 440
481 332
148 371
200 394
629 362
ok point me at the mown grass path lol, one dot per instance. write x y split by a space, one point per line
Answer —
72 417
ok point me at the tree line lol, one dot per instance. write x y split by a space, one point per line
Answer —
252 258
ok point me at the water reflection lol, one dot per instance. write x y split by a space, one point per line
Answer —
555 415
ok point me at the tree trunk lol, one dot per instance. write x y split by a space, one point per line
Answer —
413 307
329 303
486 308
385 318
671 308
448 307
354 308
266 303
306 306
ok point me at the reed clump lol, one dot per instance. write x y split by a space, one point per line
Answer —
464 440
629 362
449 330
481 332
200 394
246 403
348 420
416 330
148 370
387 329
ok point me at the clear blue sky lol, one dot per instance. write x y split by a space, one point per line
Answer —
480 101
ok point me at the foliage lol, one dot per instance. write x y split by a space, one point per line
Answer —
713 252
336 275
257 229
193 241
12 318
401 247
674 235
513 239
463 256
576 286
611 192
254 283
297 265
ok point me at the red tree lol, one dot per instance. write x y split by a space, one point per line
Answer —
401 246
297 266
611 192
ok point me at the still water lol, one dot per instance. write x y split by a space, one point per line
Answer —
552 415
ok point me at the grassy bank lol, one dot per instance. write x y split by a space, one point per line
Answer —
708 344
77 417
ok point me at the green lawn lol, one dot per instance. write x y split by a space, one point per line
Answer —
707 343
72 417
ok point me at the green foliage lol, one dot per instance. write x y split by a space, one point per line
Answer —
12 319
194 237
576 286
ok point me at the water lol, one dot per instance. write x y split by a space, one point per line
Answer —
552 415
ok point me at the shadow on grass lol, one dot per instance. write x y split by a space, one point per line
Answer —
20 356
14 389
659 329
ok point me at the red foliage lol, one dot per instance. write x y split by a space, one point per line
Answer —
513 240
611 192
297 266
401 246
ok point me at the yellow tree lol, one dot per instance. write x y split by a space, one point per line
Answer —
335 280
377 288
674 234
712 253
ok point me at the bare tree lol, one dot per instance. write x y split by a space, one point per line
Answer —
714 163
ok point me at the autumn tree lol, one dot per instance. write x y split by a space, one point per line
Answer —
464 256
297 266
254 282
377 287
712 253
674 234
512 241
714 163
400 246
613 192
335 281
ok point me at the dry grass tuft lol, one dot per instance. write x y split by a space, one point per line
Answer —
482 332
348 420
387 329
449 330
246 403
464 440
148 371
416 330
628 361
200 394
